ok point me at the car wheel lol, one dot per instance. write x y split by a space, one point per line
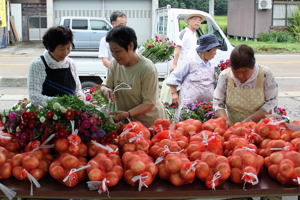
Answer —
86 85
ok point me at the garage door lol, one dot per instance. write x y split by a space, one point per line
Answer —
138 12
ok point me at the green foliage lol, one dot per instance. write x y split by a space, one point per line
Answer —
269 47
222 22
220 5
295 24
276 36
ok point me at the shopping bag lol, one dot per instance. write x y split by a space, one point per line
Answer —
165 93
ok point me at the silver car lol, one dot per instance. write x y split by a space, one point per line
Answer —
87 31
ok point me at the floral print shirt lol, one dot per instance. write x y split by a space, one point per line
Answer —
196 79
270 89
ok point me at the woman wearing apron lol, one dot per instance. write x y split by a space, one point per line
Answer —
197 76
54 73
246 91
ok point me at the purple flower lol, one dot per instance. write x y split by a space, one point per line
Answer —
93 128
85 124
12 116
98 134
84 116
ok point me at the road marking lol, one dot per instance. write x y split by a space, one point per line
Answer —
287 77
9 64
278 62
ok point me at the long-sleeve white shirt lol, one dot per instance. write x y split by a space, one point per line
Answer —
37 76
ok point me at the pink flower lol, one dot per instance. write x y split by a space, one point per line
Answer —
149 46
88 97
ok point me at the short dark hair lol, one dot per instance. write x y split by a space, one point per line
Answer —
114 16
57 35
123 36
242 56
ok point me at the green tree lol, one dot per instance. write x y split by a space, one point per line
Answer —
220 5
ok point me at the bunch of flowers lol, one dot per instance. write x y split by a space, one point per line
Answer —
171 111
28 122
158 50
219 68
282 113
198 110
94 96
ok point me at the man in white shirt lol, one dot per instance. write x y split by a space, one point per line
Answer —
117 18
186 43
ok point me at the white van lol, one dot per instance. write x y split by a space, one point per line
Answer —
166 24
87 31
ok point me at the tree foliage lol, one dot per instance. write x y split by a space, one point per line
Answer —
220 5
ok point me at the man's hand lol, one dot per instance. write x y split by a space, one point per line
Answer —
175 98
120 115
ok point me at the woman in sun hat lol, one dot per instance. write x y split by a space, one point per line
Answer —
197 76
184 51
186 43
246 91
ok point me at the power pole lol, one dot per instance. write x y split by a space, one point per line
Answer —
212 7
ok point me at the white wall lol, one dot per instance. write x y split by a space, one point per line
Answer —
16 12
139 12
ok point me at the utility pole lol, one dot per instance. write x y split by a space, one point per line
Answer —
212 7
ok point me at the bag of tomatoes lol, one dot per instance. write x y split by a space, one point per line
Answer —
284 166
245 166
139 169
212 169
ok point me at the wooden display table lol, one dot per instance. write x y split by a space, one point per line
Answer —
160 189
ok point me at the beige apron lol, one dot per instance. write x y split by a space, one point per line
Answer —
243 102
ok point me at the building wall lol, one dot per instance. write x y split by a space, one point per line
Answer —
139 12
263 22
245 20
31 10
240 21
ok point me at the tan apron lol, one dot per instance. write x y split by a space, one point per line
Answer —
243 102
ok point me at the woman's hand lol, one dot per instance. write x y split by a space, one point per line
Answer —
175 98
108 93
120 115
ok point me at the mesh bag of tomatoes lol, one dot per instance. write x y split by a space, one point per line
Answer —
189 127
204 141
217 125
5 163
106 171
167 141
9 142
237 142
268 146
72 145
159 125
284 166
269 128
212 169
68 169
94 148
177 168
139 169
135 136
243 130
245 166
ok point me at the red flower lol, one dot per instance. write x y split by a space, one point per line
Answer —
69 114
149 46
50 114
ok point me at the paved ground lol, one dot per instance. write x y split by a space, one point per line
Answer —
15 75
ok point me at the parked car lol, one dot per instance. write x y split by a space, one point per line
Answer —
87 31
